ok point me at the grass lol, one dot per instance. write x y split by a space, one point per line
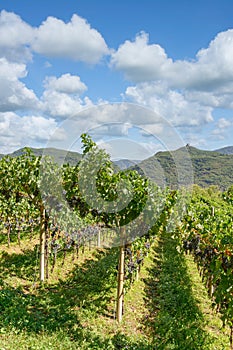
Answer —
167 308
213 324
179 311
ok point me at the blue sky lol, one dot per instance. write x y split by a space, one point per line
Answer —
158 73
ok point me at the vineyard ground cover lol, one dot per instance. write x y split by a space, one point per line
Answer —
179 310
213 324
69 311
75 307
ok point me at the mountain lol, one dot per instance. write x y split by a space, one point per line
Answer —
165 168
60 156
208 167
225 150
125 163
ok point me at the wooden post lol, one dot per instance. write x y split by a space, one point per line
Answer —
231 337
46 245
8 235
120 287
213 211
98 239
42 244
137 273
210 286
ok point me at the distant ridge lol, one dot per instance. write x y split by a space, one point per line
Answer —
60 156
125 163
225 150
208 167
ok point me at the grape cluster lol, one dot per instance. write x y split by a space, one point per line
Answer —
192 245
74 239
134 257
227 261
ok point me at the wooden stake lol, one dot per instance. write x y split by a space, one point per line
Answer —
98 239
8 235
213 211
210 286
120 287
42 244
231 337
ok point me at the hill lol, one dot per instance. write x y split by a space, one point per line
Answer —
208 167
225 150
60 156
125 163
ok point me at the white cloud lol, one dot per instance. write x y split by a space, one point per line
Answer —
110 129
61 105
61 97
15 36
17 131
39 128
170 104
223 128
211 69
224 123
14 95
126 113
185 92
139 60
215 62
122 148
67 83
75 40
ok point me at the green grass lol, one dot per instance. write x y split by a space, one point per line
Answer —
179 311
166 309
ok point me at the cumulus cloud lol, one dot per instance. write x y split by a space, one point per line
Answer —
122 148
222 128
19 131
184 91
212 67
14 95
75 40
224 123
15 36
170 104
61 105
139 60
61 97
66 83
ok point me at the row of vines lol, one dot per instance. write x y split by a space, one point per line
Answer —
72 207
39 198
206 232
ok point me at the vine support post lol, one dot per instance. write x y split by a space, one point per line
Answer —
231 337
120 286
213 211
8 236
42 244
137 273
98 239
210 286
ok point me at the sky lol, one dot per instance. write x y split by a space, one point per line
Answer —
139 76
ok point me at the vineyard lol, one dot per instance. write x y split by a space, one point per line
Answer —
94 258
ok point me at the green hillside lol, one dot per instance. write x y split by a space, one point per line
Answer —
60 156
208 167
225 150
